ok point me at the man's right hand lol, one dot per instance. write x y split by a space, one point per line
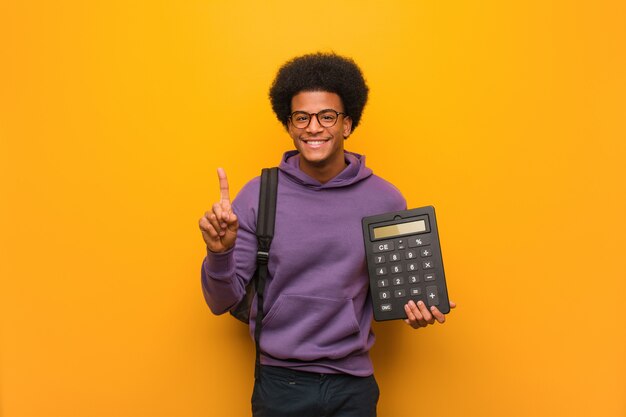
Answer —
219 227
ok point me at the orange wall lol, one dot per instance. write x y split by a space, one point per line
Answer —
508 117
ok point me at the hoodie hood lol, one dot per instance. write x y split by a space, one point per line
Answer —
354 172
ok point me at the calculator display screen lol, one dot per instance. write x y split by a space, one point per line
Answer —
399 229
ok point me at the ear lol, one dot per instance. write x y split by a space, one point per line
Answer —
347 126
289 127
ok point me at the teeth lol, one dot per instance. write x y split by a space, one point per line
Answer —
315 142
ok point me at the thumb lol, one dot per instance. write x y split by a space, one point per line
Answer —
233 222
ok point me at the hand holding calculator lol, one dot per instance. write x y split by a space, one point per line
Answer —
404 262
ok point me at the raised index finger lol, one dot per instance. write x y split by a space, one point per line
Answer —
224 195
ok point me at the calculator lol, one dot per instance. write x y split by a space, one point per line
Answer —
404 262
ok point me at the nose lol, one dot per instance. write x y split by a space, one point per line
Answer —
314 125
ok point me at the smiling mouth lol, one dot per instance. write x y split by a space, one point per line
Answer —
314 141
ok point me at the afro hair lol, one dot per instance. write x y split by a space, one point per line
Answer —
320 72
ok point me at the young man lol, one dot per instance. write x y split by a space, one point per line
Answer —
316 333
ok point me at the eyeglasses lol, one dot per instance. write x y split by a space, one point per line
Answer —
326 118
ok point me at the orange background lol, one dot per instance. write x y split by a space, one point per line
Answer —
508 117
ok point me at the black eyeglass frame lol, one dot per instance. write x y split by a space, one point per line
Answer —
314 114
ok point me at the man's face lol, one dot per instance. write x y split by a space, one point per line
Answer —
321 148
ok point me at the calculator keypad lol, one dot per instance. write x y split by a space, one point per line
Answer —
392 264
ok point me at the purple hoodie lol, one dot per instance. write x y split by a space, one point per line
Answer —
318 314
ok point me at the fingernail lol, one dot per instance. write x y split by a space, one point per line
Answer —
420 303
432 308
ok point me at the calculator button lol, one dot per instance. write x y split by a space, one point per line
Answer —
411 266
379 259
432 298
414 279
385 307
384 295
383 283
428 264
381 271
410 254
416 291
394 257
398 281
401 244
429 277
419 241
396 269
424 252
399 293
382 247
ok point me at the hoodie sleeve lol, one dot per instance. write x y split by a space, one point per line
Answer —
225 275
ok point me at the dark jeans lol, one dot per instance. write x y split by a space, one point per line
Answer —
282 392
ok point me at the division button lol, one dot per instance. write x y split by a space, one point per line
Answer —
427 251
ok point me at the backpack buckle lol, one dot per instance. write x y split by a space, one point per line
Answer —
262 257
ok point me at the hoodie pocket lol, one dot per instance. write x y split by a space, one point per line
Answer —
309 328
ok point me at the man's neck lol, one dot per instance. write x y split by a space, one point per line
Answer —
325 172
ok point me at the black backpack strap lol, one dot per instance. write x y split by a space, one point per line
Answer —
265 232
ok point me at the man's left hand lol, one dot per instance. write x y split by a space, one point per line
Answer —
419 315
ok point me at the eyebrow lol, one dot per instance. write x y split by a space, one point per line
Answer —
319 111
